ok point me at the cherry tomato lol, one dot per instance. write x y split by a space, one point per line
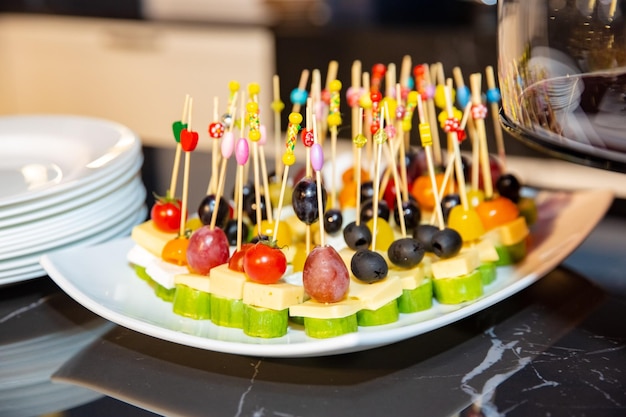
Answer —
175 251
264 263
349 175
347 195
166 214
236 260
496 212
422 190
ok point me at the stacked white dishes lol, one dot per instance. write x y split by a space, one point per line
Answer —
64 181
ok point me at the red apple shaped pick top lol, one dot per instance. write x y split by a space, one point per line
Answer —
207 248
188 140
325 276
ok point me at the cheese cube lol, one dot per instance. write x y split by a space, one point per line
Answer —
461 264
514 231
227 283
150 238
195 281
486 249
375 295
317 310
410 278
137 255
277 296
164 272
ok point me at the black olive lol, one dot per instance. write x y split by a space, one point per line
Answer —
367 210
406 252
332 221
206 208
250 207
367 190
424 233
368 266
231 231
357 237
448 202
509 186
446 243
412 214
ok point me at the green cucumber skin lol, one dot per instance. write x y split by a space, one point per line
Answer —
417 299
159 290
299 320
325 328
459 289
384 315
227 312
264 322
192 303
512 254
164 293
488 272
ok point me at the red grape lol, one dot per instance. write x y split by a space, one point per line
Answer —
207 248
325 276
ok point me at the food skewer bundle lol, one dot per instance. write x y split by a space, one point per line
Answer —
354 265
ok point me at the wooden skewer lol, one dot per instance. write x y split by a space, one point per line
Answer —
277 107
304 78
186 174
497 127
396 181
176 167
475 87
357 169
429 161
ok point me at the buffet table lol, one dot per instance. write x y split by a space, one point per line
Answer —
554 349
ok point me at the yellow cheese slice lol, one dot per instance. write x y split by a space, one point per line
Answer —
486 249
514 231
150 238
461 264
195 281
277 296
346 255
375 295
410 278
317 310
227 283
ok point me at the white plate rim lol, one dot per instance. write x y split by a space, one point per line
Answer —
70 198
116 232
539 261
113 228
130 141
61 227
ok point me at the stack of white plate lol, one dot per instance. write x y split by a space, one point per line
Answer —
64 181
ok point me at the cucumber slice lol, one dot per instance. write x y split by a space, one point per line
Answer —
264 322
511 254
417 299
192 303
488 272
297 320
383 315
458 289
227 312
165 294
325 328
141 273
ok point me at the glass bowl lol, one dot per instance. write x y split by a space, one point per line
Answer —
562 75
